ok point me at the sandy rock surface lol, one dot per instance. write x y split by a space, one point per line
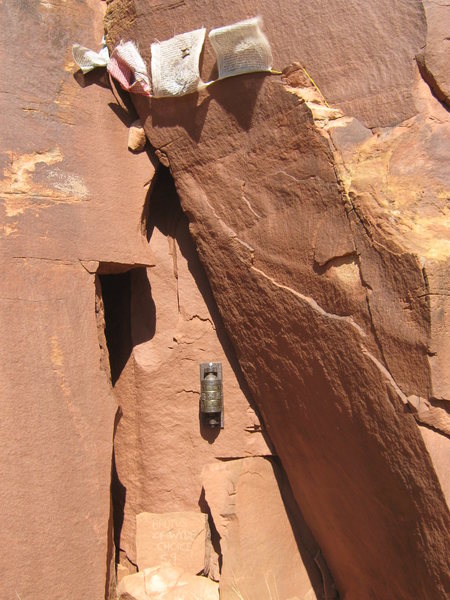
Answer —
309 255
172 325
136 137
320 273
179 538
71 199
265 551
166 583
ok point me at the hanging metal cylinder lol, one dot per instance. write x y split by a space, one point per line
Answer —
211 396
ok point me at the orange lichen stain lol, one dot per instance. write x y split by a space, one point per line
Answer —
10 229
69 66
24 165
65 100
56 357
75 415
412 209
20 191
419 214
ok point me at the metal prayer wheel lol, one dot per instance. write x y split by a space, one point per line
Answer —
211 396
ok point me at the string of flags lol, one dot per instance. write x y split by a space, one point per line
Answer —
240 48
175 64
88 59
127 66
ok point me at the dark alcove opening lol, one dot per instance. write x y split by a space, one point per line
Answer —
116 288
116 295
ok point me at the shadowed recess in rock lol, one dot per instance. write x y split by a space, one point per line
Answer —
115 294
116 300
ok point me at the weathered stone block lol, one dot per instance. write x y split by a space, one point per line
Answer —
178 538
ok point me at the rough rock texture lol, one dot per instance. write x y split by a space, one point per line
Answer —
71 196
328 265
178 538
398 178
327 306
361 53
166 583
261 556
160 444
433 60
438 446
136 137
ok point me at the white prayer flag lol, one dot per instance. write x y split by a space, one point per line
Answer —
87 59
175 64
241 48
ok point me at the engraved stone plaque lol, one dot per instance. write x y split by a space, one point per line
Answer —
178 538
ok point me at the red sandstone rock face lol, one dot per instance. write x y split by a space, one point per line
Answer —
160 445
312 362
179 538
434 58
361 54
71 196
327 307
166 583
334 323
267 553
